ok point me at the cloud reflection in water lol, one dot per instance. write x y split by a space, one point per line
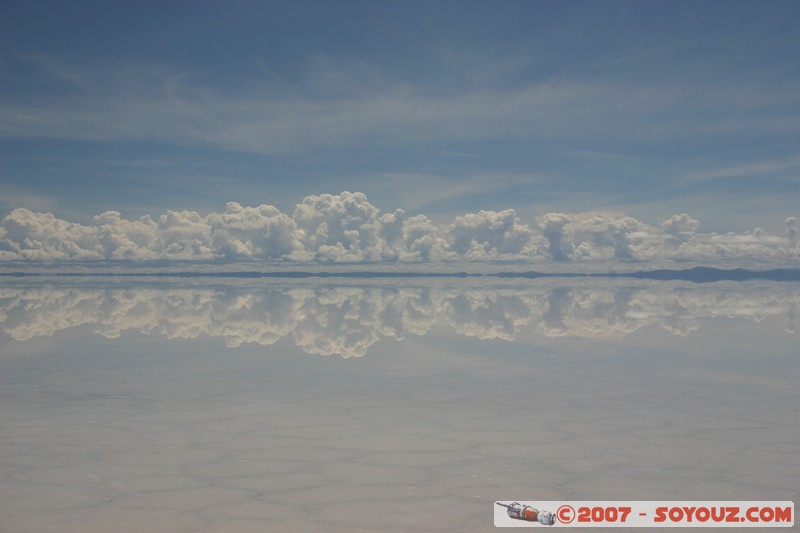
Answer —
347 320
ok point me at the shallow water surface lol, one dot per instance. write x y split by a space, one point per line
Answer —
205 407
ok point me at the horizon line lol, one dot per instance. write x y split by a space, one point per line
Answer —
695 274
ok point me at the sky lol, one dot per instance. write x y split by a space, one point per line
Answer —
644 126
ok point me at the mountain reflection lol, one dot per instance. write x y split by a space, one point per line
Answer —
347 320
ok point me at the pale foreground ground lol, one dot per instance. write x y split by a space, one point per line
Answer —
159 433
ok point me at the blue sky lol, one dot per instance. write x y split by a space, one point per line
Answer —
650 109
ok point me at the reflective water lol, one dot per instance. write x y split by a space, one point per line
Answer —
204 406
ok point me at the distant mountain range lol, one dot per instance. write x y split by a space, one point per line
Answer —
705 274
696 275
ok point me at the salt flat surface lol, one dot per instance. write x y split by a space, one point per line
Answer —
155 407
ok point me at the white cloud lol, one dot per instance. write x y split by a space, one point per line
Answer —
791 231
607 237
343 227
346 227
682 223
262 232
43 237
490 235
553 225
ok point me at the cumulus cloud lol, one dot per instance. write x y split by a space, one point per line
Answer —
682 223
347 321
552 226
791 231
490 235
347 228
343 227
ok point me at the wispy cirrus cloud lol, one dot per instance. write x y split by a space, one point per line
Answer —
761 168
341 105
